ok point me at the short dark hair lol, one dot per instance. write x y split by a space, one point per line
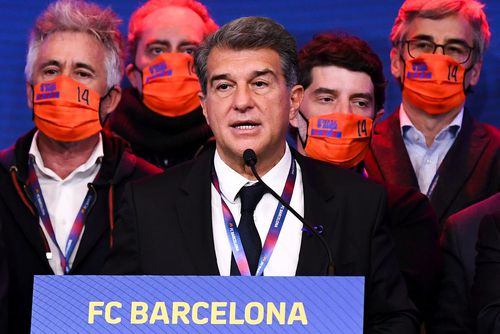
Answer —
251 33
345 51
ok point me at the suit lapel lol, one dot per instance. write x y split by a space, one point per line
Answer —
319 210
458 164
195 215
390 153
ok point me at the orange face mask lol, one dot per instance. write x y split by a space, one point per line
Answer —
434 83
66 110
338 138
169 85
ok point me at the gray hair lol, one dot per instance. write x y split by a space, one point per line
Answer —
80 16
251 33
471 10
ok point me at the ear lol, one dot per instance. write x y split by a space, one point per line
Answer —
203 102
134 77
397 66
474 73
111 101
29 95
296 96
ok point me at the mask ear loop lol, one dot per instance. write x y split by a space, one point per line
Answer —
103 120
302 141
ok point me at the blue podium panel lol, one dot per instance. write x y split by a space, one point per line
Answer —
197 304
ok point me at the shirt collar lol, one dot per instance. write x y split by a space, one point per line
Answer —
95 158
406 124
231 182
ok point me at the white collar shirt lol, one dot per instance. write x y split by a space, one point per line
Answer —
64 198
284 259
426 160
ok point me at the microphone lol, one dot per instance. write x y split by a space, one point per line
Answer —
250 159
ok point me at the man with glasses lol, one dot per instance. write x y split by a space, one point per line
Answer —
431 142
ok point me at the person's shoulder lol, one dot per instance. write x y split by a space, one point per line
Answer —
474 213
171 178
342 180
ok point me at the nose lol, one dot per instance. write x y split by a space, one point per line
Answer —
439 47
242 99
343 106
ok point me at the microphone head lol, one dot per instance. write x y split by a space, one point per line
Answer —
250 157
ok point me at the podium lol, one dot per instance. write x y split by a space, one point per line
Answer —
197 304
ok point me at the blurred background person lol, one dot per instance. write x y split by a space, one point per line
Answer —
160 116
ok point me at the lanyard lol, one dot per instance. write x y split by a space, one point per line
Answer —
273 233
433 184
76 229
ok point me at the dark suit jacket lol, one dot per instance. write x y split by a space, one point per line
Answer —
22 233
468 174
414 229
486 287
458 243
165 228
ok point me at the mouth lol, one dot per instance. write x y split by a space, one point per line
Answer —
245 125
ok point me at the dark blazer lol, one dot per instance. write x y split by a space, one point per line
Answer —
22 233
458 243
469 173
486 287
170 214
414 229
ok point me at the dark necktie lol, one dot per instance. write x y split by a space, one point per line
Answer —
249 235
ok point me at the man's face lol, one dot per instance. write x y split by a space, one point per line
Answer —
77 55
170 29
336 90
248 104
450 29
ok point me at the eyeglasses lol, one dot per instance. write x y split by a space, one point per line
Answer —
459 51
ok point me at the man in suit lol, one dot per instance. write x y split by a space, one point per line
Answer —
486 290
344 83
160 115
458 243
431 142
60 182
248 75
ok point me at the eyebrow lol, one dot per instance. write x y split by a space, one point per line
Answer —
366 96
167 43
86 66
255 74
450 40
323 90
50 63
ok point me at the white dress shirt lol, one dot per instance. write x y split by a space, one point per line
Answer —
426 160
64 198
285 256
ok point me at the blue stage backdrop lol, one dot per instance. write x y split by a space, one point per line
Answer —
371 20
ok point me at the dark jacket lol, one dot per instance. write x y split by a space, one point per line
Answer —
414 229
469 173
485 298
158 218
163 141
458 242
24 239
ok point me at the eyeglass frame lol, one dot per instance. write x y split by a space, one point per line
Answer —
442 46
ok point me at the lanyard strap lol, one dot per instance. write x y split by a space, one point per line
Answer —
274 229
76 229
433 184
